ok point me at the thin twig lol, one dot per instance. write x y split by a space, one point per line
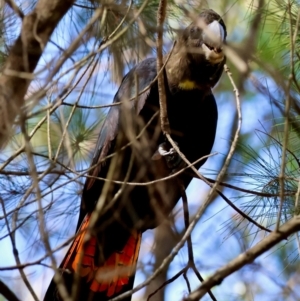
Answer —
15 8
16 253
187 282
41 217
191 262
7 293
168 282
161 14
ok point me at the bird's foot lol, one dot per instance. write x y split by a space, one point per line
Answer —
171 156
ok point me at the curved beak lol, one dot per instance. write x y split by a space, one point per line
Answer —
213 38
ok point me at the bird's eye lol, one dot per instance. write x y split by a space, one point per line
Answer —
192 30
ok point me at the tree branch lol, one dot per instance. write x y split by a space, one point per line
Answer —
161 14
7 293
24 55
247 257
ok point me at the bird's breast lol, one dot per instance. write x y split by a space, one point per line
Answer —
193 120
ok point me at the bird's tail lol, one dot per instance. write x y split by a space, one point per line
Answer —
103 282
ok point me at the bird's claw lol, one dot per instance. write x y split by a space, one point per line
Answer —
169 154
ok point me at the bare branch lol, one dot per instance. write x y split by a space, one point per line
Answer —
15 8
7 293
37 28
249 256
161 14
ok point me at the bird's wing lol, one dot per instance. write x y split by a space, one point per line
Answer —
144 72
101 281
141 77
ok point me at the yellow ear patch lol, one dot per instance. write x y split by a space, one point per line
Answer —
187 85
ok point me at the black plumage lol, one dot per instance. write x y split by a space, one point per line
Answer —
131 135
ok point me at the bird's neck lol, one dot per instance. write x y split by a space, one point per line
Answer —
186 73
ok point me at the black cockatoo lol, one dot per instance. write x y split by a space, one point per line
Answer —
131 149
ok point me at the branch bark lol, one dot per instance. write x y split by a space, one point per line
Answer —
24 55
7 293
247 257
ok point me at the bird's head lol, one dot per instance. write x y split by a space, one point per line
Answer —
204 38
198 58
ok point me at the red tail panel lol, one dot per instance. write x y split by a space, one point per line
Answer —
114 274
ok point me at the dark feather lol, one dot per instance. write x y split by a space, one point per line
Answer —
131 135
